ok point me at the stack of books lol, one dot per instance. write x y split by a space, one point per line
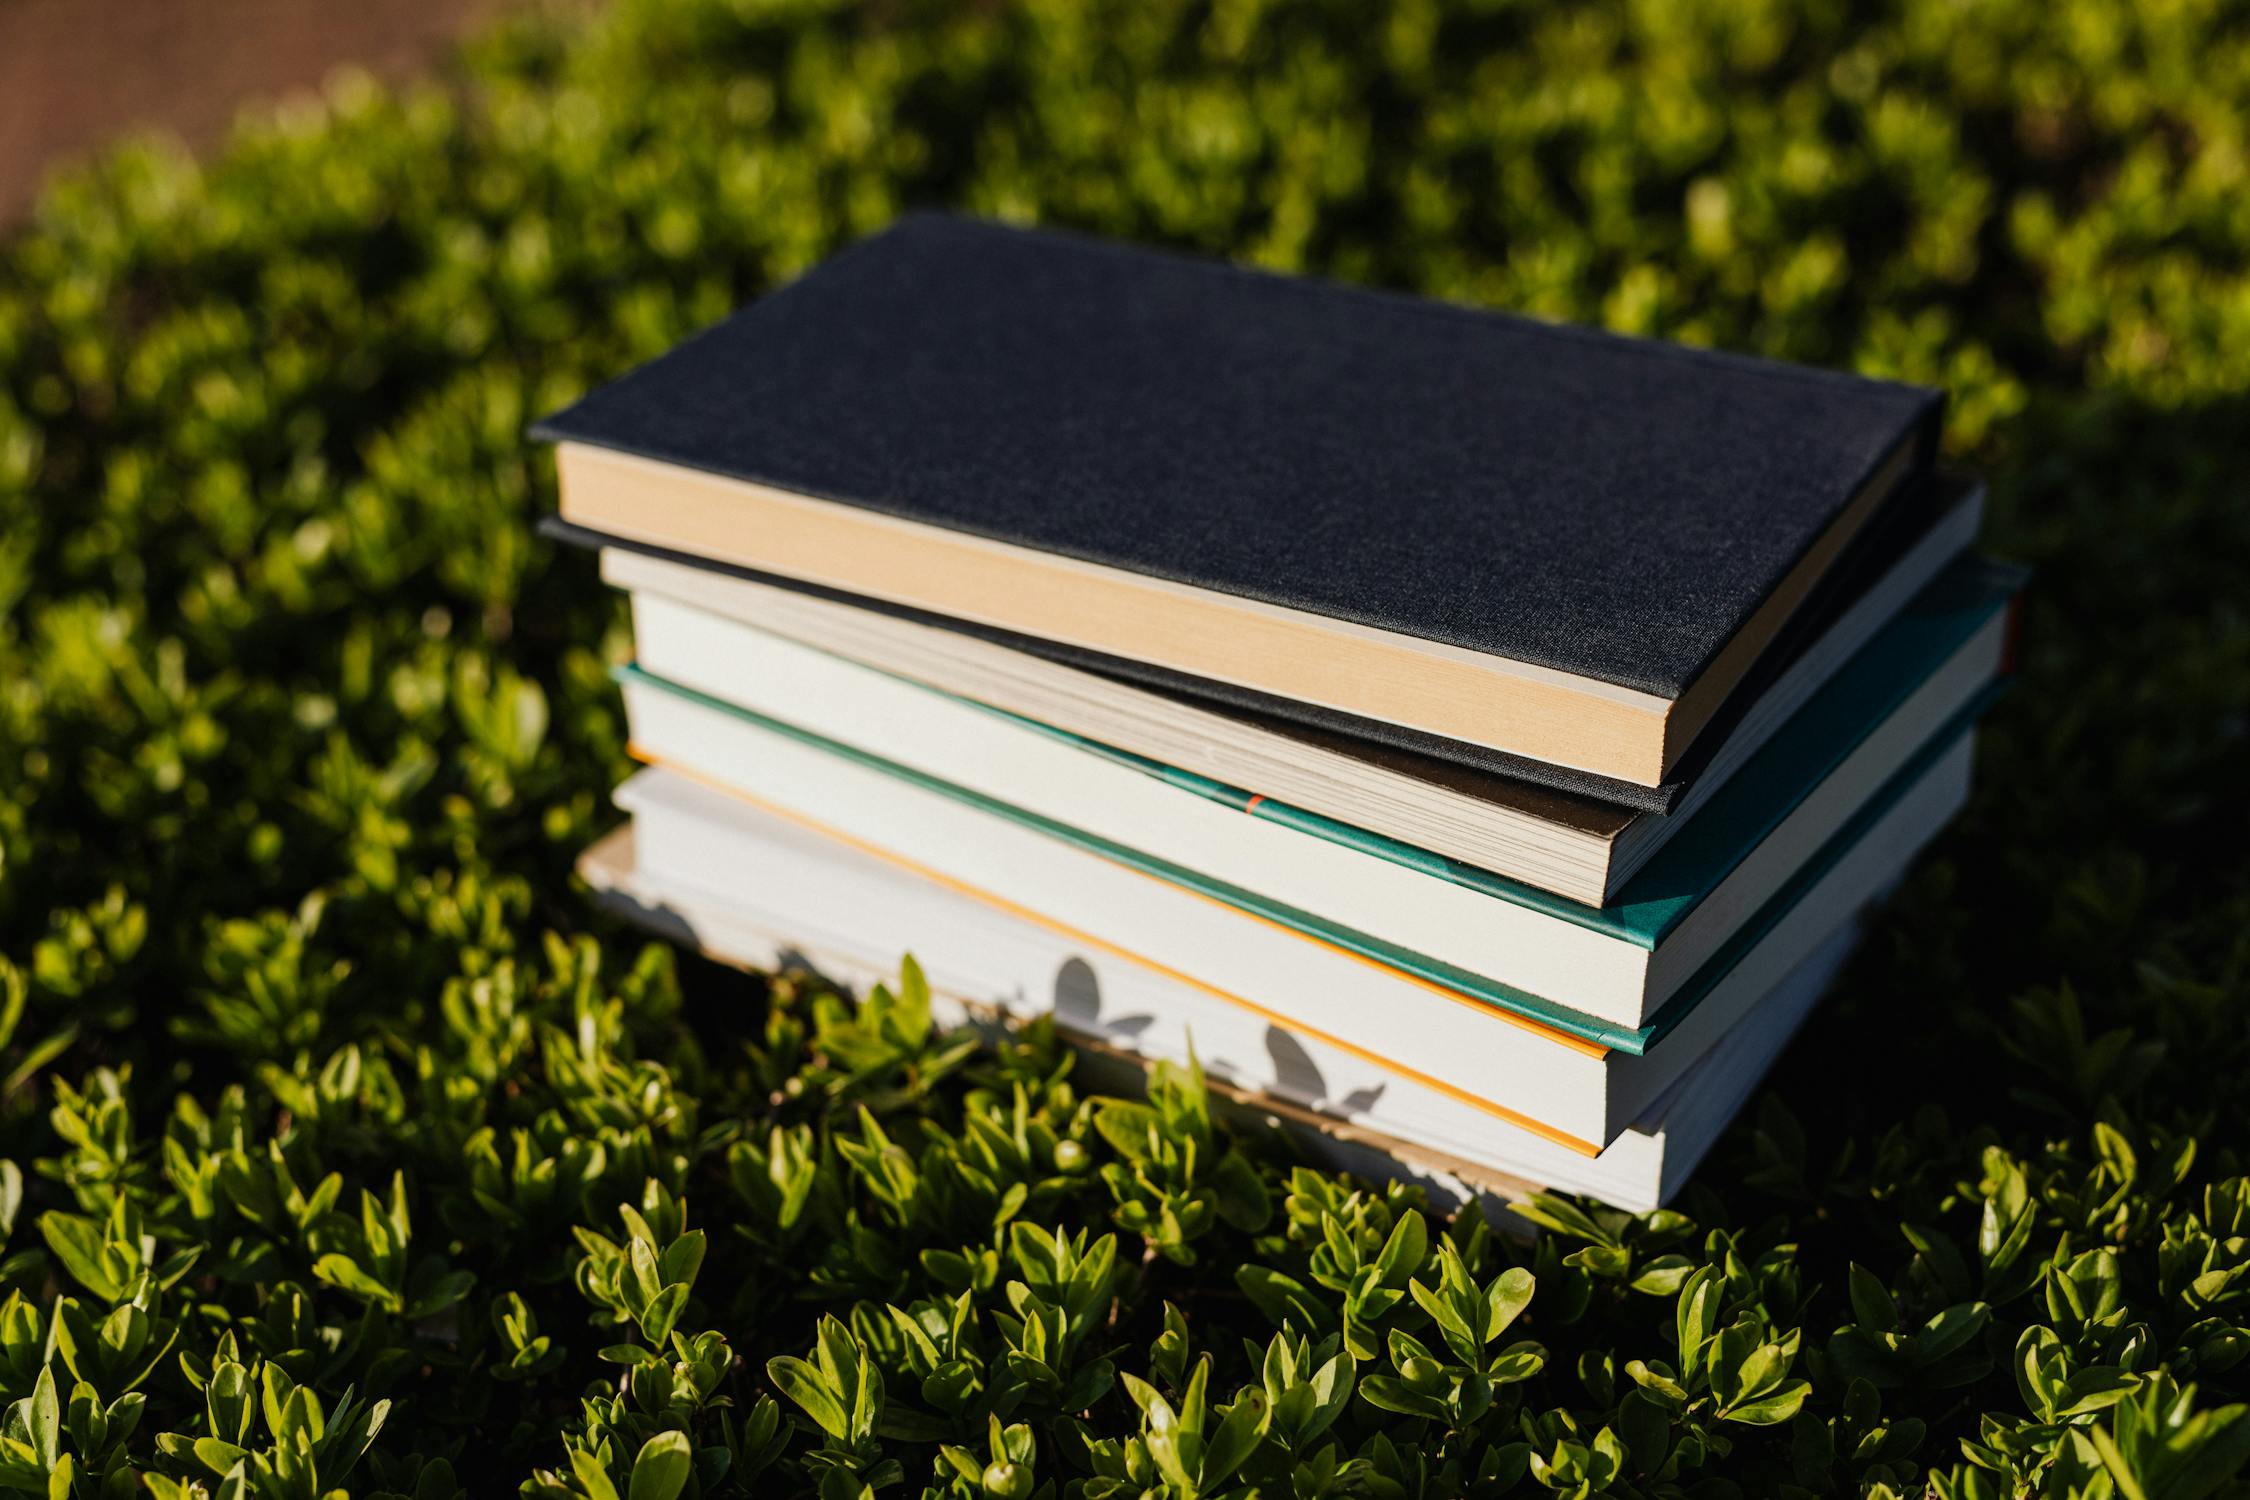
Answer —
1478 736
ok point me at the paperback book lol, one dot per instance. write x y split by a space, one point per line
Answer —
818 901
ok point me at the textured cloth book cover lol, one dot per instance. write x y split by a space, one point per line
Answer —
1610 508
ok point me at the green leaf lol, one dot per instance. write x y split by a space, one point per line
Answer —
1127 1126
1404 1250
1241 1193
1559 1214
1763 1370
1646 1429
45 1423
1284 1299
1505 1300
1780 1406
592 1478
1238 1436
662 1313
1663 1276
803 1384
80 1244
221 1458
2095 1388
11 1175
2212 1453
661 1469
343 1272
1394 1395
1949 1329
1871 1302
1696 1317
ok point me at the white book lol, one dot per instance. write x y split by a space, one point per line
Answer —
821 905
1618 967
1551 1080
1575 846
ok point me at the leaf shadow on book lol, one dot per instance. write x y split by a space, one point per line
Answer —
1296 1075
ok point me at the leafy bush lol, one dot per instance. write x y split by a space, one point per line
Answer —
348 1151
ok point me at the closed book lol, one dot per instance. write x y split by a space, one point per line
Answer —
818 904
1609 969
1581 847
1554 543
1555 1079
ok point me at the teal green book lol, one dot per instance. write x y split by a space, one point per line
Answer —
1761 794
1631 1040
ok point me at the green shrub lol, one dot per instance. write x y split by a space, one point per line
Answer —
348 1151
